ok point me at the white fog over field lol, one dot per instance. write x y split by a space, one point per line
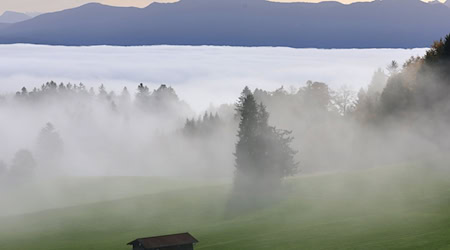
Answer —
200 75
167 128
105 133
226 147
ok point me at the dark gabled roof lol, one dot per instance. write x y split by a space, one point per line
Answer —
165 240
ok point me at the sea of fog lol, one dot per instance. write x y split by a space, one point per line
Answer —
201 75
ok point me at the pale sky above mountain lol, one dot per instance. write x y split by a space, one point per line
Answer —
55 5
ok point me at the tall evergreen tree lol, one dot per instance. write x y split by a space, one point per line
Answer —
49 148
377 84
23 165
143 95
102 92
125 95
263 153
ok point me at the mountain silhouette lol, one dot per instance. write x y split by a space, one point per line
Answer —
13 17
447 3
377 24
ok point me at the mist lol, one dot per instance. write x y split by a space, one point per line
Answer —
99 140
170 114
201 75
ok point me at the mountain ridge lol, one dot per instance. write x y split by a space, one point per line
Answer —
329 24
13 17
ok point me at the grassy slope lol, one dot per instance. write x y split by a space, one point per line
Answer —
64 192
399 208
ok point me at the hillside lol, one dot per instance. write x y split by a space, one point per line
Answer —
390 208
65 192
377 24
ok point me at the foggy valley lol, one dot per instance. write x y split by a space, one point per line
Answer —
73 129
221 147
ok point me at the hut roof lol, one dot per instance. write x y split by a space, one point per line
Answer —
165 240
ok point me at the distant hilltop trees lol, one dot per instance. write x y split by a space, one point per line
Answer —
161 99
421 85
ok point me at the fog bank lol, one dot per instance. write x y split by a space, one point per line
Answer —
201 75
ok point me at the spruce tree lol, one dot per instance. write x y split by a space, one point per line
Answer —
246 147
143 94
102 92
125 95
49 148
263 153
23 165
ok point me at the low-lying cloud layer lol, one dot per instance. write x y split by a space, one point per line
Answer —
200 75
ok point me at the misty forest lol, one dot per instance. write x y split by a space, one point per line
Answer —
305 166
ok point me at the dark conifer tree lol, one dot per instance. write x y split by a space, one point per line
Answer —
22 93
49 148
62 88
143 94
23 165
91 90
102 92
263 153
125 95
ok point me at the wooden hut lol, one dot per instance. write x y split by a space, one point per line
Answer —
183 241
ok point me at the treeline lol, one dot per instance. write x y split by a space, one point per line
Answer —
162 99
146 132
420 87
203 125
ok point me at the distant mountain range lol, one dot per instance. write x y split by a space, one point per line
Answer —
377 24
446 3
13 17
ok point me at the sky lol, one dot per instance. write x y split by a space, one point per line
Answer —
56 5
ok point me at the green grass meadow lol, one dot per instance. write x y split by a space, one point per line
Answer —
405 207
